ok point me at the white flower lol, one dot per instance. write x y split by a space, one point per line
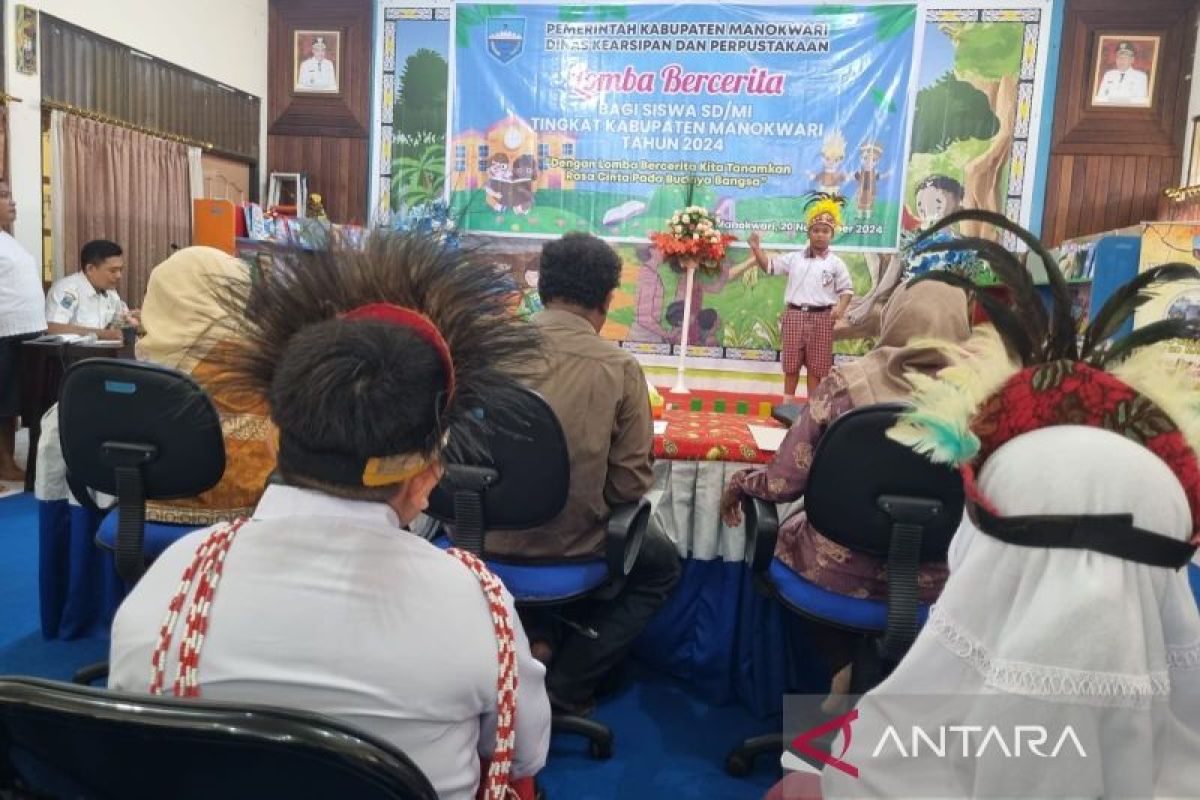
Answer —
679 229
695 236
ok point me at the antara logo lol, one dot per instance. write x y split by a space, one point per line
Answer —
977 740
971 741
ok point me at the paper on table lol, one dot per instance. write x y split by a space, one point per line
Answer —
767 438
660 427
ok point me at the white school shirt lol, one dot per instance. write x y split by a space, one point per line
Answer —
74 301
317 74
812 281
329 606
1130 85
22 307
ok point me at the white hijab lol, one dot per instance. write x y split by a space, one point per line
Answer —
1050 637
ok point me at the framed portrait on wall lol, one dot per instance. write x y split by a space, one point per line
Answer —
316 56
1124 70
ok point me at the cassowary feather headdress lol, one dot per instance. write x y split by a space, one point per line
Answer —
417 333
1029 370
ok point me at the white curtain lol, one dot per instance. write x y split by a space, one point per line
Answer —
57 196
195 178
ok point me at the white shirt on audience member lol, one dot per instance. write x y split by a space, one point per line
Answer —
74 301
329 606
21 302
812 281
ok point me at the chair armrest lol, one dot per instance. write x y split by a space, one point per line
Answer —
762 529
88 675
624 536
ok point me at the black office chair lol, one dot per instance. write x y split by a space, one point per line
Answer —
875 496
137 431
522 485
60 740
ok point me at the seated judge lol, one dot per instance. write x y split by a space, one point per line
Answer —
599 394
372 363
86 302
921 311
187 327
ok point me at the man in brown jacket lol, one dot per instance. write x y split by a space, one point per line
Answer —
599 394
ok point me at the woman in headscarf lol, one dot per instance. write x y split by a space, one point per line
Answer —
187 329
930 310
1067 612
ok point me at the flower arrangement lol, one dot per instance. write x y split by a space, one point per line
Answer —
692 235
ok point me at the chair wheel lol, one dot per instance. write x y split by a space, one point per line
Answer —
738 765
601 750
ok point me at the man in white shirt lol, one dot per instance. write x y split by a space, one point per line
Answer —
325 602
1124 85
86 302
21 318
317 73
818 291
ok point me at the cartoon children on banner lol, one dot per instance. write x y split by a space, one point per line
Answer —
831 178
869 178
499 183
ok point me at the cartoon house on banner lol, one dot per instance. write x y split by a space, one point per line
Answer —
511 158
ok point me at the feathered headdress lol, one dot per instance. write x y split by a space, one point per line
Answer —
453 308
1029 370
824 207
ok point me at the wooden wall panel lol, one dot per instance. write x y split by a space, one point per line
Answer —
1109 166
325 137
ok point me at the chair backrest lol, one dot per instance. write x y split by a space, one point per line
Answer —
856 464
137 431
116 414
60 740
524 480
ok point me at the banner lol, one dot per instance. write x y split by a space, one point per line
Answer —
609 118
1163 243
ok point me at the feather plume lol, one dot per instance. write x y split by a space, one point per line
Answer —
1128 298
1174 389
466 298
939 424
1154 333
1060 339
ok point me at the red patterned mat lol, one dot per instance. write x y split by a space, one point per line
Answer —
705 436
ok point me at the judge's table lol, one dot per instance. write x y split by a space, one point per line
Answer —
729 642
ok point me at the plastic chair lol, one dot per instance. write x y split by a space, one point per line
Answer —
61 740
524 484
874 496
137 431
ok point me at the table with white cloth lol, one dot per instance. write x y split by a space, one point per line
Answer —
726 639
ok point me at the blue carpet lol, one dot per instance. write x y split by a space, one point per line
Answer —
22 649
668 744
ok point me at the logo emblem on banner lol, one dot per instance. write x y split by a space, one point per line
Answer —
804 743
505 38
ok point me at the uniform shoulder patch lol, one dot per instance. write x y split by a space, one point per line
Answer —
68 300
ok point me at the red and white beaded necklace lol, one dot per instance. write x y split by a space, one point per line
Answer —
209 563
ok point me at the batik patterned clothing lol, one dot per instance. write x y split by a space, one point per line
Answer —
800 546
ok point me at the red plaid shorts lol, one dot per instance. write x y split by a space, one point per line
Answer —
807 341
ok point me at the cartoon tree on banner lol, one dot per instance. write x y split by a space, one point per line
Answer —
421 98
418 160
950 111
989 58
